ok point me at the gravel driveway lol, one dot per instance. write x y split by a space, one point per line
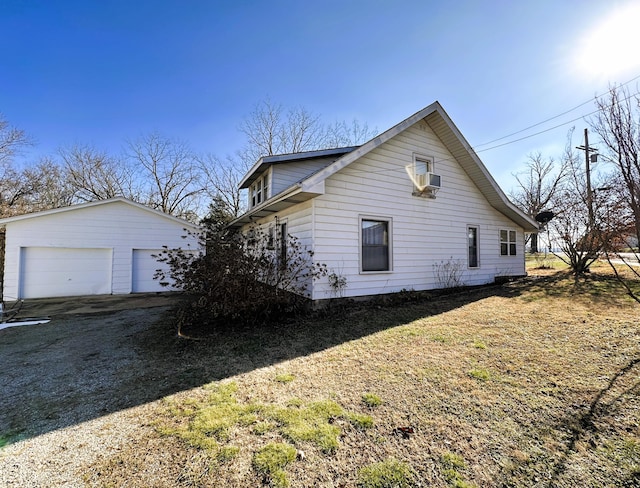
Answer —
67 387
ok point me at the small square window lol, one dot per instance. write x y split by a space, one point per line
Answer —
422 165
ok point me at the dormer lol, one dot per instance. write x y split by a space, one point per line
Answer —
272 175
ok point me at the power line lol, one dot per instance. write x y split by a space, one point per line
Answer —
548 129
549 119
524 137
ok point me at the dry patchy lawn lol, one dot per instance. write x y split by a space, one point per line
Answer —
534 383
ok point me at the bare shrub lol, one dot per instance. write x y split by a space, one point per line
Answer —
448 274
240 279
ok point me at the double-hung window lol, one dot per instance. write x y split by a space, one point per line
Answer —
507 242
375 244
259 191
422 167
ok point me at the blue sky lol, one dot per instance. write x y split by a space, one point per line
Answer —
99 72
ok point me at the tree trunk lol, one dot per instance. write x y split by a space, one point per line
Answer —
534 243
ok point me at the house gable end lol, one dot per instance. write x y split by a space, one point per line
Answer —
435 116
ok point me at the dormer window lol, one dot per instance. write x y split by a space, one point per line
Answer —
259 190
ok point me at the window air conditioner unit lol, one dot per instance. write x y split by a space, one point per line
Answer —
431 181
427 181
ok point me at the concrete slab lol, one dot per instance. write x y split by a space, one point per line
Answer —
51 307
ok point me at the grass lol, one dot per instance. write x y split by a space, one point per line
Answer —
386 474
452 464
285 378
208 423
4 440
480 374
271 460
534 383
371 400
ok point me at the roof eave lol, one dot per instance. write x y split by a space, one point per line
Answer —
448 132
79 206
294 195
264 162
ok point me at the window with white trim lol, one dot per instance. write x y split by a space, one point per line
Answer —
283 244
507 242
422 166
259 191
472 246
375 244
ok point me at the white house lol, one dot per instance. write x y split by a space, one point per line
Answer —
101 247
402 211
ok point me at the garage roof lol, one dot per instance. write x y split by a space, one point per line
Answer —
96 203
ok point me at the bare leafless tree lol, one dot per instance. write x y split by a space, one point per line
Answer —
272 129
95 175
537 187
12 142
342 134
169 173
617 123
50 185
221 181
12 185
575 228
38 187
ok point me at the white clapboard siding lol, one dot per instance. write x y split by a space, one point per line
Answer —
299 221
283 175
425 232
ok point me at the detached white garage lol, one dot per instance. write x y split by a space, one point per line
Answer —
103 247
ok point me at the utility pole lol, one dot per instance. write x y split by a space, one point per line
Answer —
587 160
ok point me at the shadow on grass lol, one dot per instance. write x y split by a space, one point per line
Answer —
594 288
605 404
84 367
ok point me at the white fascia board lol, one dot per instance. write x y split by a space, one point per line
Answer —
267 161
291 196
250 173
526 222
370 146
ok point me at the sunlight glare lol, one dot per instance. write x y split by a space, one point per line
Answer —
611 48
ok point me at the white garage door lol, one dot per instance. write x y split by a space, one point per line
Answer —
61 272
143 269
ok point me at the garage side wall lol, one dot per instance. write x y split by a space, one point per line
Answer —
117 228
